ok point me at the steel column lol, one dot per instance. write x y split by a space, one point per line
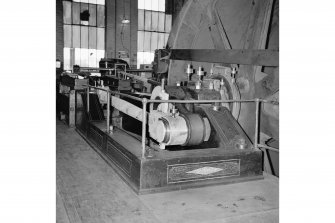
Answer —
108 111
256 124
88 99
144 125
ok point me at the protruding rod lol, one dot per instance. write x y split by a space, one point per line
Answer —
108 111
88 99
163 84
256 124
144 125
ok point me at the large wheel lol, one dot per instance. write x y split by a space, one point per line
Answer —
232 24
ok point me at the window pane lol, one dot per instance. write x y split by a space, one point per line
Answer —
100 54
84 37
168 21
161 21
68 36
92 58
101 16
77 56
76 36
161 5
140 40
67 58
139 59
148 57
76 13
93 15
147 20
154 5
147 4
84 57
140 4
92 1
92 37
161 41
83 7
86 1
166 38
154 40
101 2
140 19
67 12
147 41
101 39
154 18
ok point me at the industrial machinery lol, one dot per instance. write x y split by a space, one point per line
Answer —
198 120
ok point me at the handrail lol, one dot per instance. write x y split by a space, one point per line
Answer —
146 101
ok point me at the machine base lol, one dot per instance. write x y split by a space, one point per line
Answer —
170 170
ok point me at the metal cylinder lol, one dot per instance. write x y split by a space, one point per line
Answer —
172 130
108 112
144 125
88 99
196 129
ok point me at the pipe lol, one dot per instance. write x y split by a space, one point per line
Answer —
199 101
117 93
256 124
208 101
184 101
144 125
88 100
108 112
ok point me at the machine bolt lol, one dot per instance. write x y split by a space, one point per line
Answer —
198 85
200 72
189 72
163 84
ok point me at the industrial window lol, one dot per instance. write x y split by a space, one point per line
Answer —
154 26
84 32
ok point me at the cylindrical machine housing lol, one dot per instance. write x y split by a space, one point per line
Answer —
186 130
172 130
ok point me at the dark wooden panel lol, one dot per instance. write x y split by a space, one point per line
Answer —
202 171
120 159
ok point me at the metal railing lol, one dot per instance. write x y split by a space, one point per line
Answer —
146 101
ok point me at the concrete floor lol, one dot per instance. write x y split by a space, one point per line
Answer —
88 190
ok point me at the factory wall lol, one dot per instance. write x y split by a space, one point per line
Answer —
119 37
59 30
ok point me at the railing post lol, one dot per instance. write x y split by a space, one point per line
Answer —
88 100
257 123
108 112
144 125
